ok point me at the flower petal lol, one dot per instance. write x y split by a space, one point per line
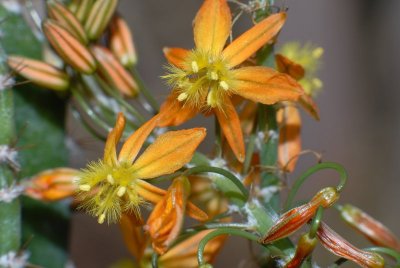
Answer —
265 85
252 40
110 153
230 125
132 145
150 192
132 233
309 105
289 137
175 55
168 153
195 212
174 112
212 26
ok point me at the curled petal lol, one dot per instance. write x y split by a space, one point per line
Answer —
168 153
342 248
230 125
212 26
252 40
265 85
110 151
176 56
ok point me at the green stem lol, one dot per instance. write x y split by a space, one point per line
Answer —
299 182
316 222
143 89
10 213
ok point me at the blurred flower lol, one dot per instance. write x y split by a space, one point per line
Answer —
372 229
81 8
342 248
121 42
205 78
117 184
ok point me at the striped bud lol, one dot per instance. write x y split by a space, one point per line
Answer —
295 218
121 42
81 8
66 18
372 229
113 72
99 16
342 248
40 73
69 48
305 247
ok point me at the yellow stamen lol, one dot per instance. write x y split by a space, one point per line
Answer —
195 67
121 191
214 76
224 85
317 53
317 83
101 219
110 179
183 96
211 100
85 187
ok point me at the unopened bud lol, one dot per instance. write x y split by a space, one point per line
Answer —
305 247
67 19
81 9
113 72
121 42
69 48
372 229
99 16
40 73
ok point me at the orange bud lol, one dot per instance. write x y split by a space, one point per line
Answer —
121 42
295 218
287 66
69 48
81 8
342 248
114 72
67 19
372 229
53 184
99 16
39 72
305 246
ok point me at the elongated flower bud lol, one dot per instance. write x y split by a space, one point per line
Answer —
372 229
66 18
295 218
342 248
69 48
81 8
121 42
305 247
114 72
99 16
40 73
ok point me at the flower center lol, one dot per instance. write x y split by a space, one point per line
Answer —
203 80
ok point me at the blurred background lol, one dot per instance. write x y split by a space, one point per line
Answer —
359 125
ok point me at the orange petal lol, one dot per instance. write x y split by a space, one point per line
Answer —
289 137
174 112
196 213
168 153
132 233
110 153
150 192
309 105
132 145
212 26
175 55
265 85
230 125
287 66
252 40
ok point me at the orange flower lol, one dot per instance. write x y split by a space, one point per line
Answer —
117 184
166 219
206 77
52 185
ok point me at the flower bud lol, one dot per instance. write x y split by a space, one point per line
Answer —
295 218
342 248
372 229
121 42
66 18
69 48
40 73
99 16
113 72
81 8
53 184
305 247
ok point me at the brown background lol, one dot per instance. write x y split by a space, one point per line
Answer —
359 108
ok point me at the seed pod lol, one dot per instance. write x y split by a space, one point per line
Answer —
121 42
69 48
372 229
342 248
113 72
99 16
66 18
40 73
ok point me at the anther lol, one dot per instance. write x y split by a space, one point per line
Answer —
110 179
211 99
183 96
195 67
101 219
224 85
85 187
214 76
121 191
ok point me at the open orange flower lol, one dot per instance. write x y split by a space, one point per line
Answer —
117 184
206 77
